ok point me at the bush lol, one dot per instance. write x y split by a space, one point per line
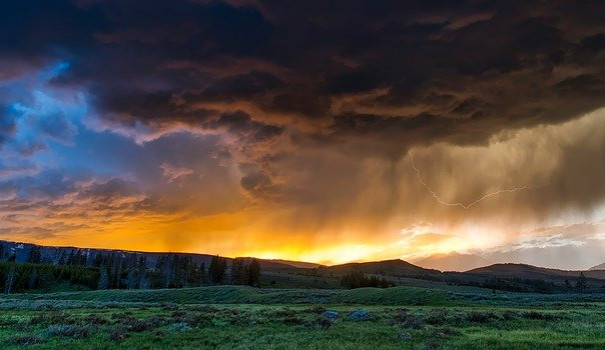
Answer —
324 322
437 316
408 321
68 330
24 340
136 325
118 333
96 320
535 315
180 327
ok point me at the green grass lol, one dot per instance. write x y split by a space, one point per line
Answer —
230 317
244 295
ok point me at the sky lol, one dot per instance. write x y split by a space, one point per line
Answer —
306 130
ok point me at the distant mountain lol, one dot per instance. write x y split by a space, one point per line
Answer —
532 272
452 262
300 264
598 267
386 267
53 254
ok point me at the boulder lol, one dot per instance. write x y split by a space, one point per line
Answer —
329 314
359 315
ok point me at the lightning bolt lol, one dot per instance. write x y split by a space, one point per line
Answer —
475 202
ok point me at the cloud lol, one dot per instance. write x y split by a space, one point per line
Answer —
172 173
307 114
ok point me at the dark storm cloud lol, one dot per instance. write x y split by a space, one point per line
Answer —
378 77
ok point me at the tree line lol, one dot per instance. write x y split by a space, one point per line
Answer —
115 270
356 279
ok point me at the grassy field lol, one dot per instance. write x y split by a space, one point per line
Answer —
231 317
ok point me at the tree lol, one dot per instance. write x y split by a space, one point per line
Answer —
567 285
10 278
582 283
253 273
103 279
238 271
33 279
97 261
201 275
159 272
62 259
71 258
1 250
356 279
142 267
217 269
35 255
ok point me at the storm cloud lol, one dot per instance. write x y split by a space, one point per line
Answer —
301 115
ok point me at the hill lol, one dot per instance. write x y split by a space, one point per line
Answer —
452 262
395 267
300 264
598 267
53 255
532 272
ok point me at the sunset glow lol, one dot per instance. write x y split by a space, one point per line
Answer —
228 128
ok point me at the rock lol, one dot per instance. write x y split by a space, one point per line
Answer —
332 315
359 315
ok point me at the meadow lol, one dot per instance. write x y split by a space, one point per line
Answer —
238 317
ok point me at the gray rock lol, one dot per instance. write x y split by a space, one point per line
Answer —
332 315
359 315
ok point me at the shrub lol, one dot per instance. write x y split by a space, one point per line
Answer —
317 309
96 320
24 340
408 321
437 316
324 322
156 321
136 325
535 315
180 327
52 318
68 330
413 323
118 333
509 315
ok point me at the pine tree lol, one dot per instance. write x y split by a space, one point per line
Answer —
33 279
238 271
160 272
253 273
117 272
142 272
131 279
582 283
10 278
217 269
97 261
103 279
62 259
70 258
202 274
35 255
